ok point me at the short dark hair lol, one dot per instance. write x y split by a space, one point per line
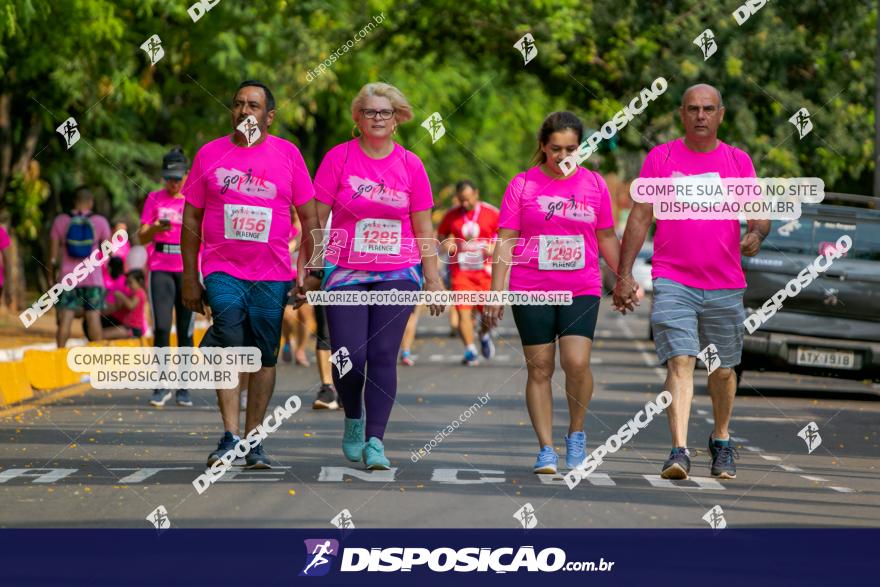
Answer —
82 194
251 83
137 275
115 267
464 183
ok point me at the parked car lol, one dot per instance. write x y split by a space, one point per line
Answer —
832 327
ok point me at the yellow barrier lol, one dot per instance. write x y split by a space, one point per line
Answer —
48 369
14 384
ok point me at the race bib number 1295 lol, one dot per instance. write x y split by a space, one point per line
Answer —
378 235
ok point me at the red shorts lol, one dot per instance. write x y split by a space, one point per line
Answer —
470 281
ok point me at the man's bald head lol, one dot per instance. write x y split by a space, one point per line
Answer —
704 87
702 112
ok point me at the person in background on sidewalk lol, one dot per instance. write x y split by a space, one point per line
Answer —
698 279
240 195
74 237
131 308
552 229
467 236
161 225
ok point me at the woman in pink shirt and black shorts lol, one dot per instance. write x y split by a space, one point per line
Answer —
552 229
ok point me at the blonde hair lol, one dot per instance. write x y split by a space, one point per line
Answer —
402 109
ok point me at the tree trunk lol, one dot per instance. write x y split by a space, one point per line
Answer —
5 140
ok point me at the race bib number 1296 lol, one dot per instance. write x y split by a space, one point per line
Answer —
561 253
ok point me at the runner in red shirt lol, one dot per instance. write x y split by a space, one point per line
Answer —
467 233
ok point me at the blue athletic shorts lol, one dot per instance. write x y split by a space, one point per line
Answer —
246 313
687 319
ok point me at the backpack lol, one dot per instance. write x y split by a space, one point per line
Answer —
80 238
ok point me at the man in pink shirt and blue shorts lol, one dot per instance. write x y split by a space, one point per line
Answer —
698 278
240 194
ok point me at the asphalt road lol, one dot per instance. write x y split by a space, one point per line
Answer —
108 459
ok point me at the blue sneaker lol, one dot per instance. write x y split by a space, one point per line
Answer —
226 444
575 446
257 459
374 455
353 439
470 359
723 454
487 347
182 398
547 461
160 396
678 465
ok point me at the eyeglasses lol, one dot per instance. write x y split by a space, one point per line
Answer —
382 114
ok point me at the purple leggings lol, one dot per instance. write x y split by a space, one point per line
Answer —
372 336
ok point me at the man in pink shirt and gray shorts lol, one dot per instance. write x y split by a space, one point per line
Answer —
698 279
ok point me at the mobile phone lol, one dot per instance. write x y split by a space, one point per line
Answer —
165 223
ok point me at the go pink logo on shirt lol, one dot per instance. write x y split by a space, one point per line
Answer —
170 214
567 208
245 183
377 192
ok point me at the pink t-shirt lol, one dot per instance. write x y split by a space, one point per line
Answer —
4 243
158 205
557 220
112 286
59 233
247 193
372 200
136 318
698 253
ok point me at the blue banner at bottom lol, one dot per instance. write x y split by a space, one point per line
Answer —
438 557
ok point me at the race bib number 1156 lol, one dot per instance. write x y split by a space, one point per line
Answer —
247 223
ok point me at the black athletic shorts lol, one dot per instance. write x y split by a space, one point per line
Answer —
544 324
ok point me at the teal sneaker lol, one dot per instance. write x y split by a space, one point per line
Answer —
547 461
353 439
575 446
374 455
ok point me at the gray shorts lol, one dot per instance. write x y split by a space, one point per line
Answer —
686 320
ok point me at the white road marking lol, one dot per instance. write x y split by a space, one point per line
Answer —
600 479
141 475
701 482
813 478
450 476
48 476
232 475
790 468
754 448
841 489
770 458
335 474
